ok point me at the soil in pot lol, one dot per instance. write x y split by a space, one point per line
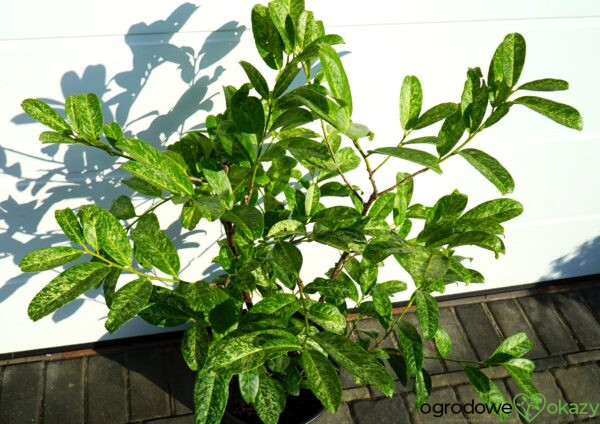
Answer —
300 409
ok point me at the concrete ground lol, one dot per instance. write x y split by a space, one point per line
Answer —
147 381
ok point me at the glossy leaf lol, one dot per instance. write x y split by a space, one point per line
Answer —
286 77
412 155
422 387
127 302
514 346
450 133
247 219
44 114
356 360
194 346
287 261
244 352
443 343
474 99
322 379
284 304
286 228
341 288
256 79
327 316
411 345
270 400
558 112
122 208
153 247
336 75
266 37
546 84
103 231
411 99
211 392
48 258
499 210
249 382
428 313
487 390
435 114
490 168
66 287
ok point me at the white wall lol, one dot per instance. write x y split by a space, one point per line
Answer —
50 50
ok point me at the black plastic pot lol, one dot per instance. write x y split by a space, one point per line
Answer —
302 409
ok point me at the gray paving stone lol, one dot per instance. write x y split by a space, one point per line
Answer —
371 324
466 395
106 390
543 317
382 411
545 383
64 394
479 329
181 381
347 379
355 393
543 364
148 385
592 298
510 319
580 383
433 366
182 419
579 318
21 394
342 416
461 349
581 357
438 396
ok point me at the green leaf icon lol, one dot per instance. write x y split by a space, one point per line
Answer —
529 407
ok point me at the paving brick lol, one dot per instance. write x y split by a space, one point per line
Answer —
510 319
544 319
433 366
371 324
580 383
356 393
21 394
106 390
545 383
342 416
441 396
347 380
592 298
148 385
579 318
479 329
543 364
581 357
64 394
182 419
466 395
461 349
382 411
181 381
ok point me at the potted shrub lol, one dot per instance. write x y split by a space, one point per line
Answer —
262 168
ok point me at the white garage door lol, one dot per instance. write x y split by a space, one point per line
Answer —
159 66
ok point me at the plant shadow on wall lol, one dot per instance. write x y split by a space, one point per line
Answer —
90 174
585 260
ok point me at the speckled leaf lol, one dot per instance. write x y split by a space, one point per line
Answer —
286 228
66 287
153 247
327 316
322 378
335 75
270 400
68 223
104 232
242 352
428 313
411 346
122 208
499 210
248 220
194 346
412 155
256 79
490 168
249 382
127 302
546 84
411 99
44 114
48 258
356 360
211 392
563 114
487 390
285 304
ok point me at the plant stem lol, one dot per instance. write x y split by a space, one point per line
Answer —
396 321
149 210
130 269
335 162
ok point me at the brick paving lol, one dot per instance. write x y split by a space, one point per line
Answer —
147 382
